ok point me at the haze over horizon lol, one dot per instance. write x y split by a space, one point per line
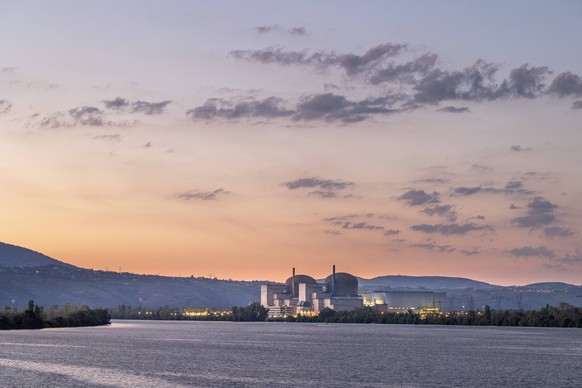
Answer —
243 139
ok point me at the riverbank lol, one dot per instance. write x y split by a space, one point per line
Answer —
37 317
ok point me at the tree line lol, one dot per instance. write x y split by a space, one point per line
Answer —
564 315
37 317
252 313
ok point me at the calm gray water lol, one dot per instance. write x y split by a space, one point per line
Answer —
173 354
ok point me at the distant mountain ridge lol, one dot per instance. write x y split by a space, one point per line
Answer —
428 282
15 256
26 274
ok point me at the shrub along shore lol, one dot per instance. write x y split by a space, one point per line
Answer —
37 317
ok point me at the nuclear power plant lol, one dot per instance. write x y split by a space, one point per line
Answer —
303 295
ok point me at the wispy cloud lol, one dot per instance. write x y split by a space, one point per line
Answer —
112 138
540 212
450 229
421 80
325 188
419 197
433 247
519 148
361 225
5 106
202 195
145 107
441 210
454 109
557 231
328 107
297 30
528 251
566 84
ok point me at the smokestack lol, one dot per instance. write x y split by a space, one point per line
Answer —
293 284
333 281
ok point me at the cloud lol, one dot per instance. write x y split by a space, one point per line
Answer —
419 197
277 28
315 182
454 109
276 55
361 225
539 213
433 247
407 72
112 138
425 82
441 210
525 81
202 195
481 167
577 104
472 252
218 108
513 207
566 84
117 103
333 107
465 191
148 108
297 31
8 69
571 258
266 29
450 229
475 83
5 106
87 116
557 231
528 251
519 148
512 187
323 194
432 180
328 107
391 232
352 64
332 232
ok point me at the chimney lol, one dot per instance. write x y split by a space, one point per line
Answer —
333 282
293 284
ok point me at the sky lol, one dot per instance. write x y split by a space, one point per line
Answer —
240 139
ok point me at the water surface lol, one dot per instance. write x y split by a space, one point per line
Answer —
174 354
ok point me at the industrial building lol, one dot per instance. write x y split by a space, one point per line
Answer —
303 295
402 301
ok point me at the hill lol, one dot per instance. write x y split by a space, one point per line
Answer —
58 285
15 256
26 274
426 282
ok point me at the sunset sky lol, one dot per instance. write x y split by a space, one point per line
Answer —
240 139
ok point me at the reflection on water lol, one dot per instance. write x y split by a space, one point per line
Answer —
173 354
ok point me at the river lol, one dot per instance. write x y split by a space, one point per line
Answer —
216 354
